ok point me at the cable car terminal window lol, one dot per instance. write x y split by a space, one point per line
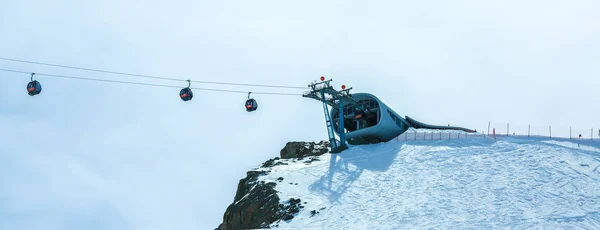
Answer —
371 116
397 120
367 104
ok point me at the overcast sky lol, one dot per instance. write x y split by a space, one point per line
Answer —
91 155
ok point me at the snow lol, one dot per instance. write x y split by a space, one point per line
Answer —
514 182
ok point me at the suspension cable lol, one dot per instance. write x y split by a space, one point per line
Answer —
145 84
148 76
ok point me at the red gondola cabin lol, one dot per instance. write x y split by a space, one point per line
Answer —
34 88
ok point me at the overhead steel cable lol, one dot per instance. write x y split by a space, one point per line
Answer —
149 76
146 84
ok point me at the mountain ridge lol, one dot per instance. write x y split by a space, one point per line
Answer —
511 182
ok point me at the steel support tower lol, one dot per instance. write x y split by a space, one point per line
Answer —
324 92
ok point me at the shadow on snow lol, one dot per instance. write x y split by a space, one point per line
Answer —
346 167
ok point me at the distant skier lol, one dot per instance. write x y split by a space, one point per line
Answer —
580 135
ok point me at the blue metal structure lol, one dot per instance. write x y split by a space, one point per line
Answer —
380 124
332 142
373 123
419 125
323 92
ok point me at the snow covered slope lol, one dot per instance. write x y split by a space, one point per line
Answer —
516 182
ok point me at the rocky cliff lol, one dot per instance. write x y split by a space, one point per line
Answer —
256 204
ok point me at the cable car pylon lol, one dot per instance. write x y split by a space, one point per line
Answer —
324 92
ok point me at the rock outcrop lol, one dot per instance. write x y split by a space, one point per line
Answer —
256 204
303 149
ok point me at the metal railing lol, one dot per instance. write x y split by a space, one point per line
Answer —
551 131
499 130
420 134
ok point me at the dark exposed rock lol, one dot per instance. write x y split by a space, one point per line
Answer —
315 212
271 163
311 160
300 149
288 210
268 163
256 204
259 209
244 185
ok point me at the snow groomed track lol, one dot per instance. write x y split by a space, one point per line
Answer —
479 183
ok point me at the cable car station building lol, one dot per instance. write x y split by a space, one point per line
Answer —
377 124
366 119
